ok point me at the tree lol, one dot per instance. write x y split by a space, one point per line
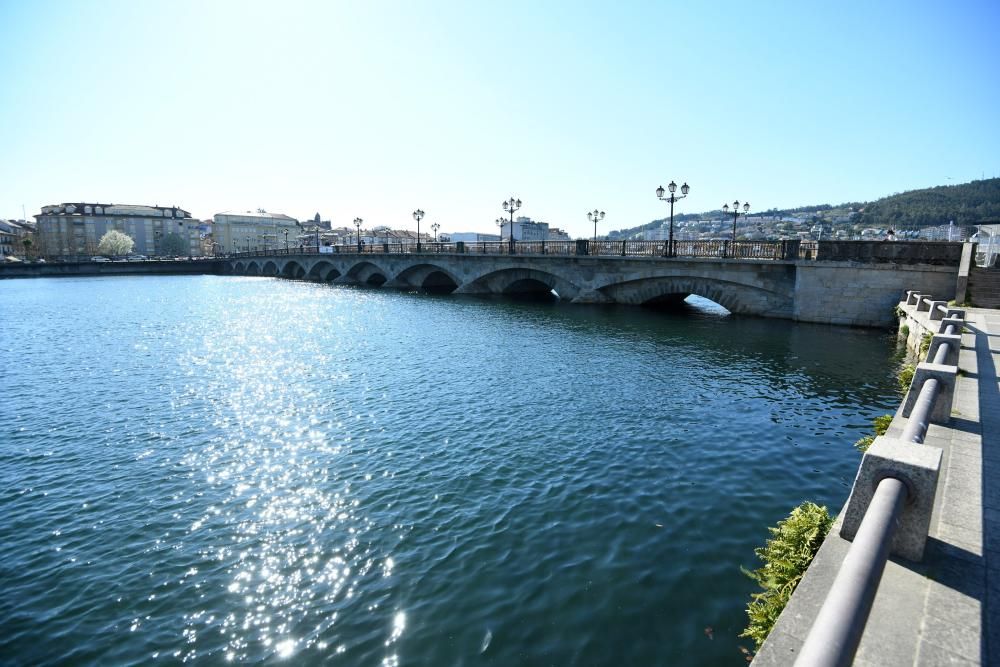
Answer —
115 243
174 244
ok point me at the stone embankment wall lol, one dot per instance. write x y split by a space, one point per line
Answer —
856 294
59 269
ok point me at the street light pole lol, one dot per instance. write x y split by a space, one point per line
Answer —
736 213
435 227
510 206
357 223
418 214
286 241
594 216
673 198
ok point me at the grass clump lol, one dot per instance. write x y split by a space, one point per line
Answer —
925 344
905 377
881 426
904 331
786 556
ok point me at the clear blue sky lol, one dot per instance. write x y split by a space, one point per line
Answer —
374 108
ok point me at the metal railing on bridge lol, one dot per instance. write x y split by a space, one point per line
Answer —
722 249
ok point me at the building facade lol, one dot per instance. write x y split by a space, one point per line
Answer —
240 231
75 229
17 239
526 229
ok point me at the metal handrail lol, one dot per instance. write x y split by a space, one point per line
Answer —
837 629
761 250
836 632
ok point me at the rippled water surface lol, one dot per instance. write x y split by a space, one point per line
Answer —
249 469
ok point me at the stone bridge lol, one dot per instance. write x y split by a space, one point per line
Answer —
837 292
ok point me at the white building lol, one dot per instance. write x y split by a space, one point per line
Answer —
473 237
75 229
988 249
16 238
526 229
239 231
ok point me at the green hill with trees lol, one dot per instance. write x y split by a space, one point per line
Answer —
964 204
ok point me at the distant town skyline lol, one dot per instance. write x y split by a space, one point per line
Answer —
373 110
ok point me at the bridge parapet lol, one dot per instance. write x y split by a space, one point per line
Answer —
752 278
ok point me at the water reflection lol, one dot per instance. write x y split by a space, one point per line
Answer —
305 473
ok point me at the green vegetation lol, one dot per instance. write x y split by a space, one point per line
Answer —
786 556
905 377
881 426
925 344
174 244
965 204
904 331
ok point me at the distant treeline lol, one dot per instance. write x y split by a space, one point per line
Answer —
965 204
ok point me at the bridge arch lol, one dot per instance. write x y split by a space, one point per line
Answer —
430 277
367 273
524 281
239 268
293 270
253 269
322 271
672 290
270 268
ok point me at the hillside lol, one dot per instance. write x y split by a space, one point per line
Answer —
965 204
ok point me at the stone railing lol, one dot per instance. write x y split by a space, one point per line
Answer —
899 252
889 510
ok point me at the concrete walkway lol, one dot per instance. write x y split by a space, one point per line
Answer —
946 609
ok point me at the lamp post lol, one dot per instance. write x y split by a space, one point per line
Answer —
594 216
357 223
736 213
673 198
418 215
510 206
500 223
286 241
435 227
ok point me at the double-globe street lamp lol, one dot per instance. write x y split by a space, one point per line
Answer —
357 224
510 206
417 215
435 227
673 198
736 213
594 216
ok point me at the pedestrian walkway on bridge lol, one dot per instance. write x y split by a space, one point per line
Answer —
944 610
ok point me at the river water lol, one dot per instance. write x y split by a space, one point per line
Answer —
216 469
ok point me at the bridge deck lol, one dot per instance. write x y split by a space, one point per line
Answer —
945 610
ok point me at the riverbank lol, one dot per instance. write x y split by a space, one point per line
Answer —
937 611
195 266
